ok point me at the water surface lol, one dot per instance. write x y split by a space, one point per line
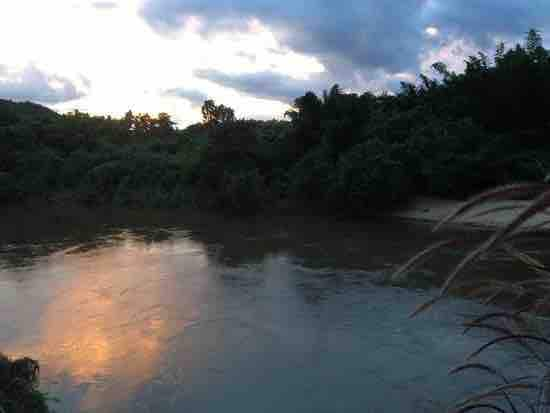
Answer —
173 312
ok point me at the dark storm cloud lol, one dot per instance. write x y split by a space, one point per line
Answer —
363 32
35 85
267 85
194 96
356 38
481 20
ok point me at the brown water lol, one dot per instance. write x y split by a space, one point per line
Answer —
186 312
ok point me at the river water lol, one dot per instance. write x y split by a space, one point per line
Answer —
186 312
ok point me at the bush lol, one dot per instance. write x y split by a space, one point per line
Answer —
371 175
242 192
311 177
18 387
451 158
79 163
141 180
102 182
153 182
231 146
37 172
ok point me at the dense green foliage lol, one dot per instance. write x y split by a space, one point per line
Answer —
448 136
138 160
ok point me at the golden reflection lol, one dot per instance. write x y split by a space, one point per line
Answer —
119 306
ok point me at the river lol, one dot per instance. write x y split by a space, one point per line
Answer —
187 312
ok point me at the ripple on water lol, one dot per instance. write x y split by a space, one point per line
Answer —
280 317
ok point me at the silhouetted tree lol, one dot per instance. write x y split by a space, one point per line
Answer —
533 42
212 113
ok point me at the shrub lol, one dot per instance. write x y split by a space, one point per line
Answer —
153 182
79 163
139 180
370 175
242 192
229 175
37 172
312 176
18 387
102 182
451 158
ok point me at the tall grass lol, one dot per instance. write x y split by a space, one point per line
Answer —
528 295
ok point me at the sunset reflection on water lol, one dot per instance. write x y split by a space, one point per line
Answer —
215 315
119 305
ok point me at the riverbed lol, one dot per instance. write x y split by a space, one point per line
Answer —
187 312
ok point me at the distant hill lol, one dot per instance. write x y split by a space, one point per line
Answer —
15 112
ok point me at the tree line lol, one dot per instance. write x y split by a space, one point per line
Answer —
449 135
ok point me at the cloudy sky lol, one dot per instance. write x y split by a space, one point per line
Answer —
106 57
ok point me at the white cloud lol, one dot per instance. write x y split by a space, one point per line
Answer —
123 61
31 83
105 5
453 53
128 65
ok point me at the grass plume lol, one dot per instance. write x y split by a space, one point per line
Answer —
530 293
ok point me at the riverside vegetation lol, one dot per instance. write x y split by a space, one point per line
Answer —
18 387
343 153
450 136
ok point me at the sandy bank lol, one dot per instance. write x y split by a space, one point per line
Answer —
434 209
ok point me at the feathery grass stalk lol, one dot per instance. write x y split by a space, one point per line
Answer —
509 327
